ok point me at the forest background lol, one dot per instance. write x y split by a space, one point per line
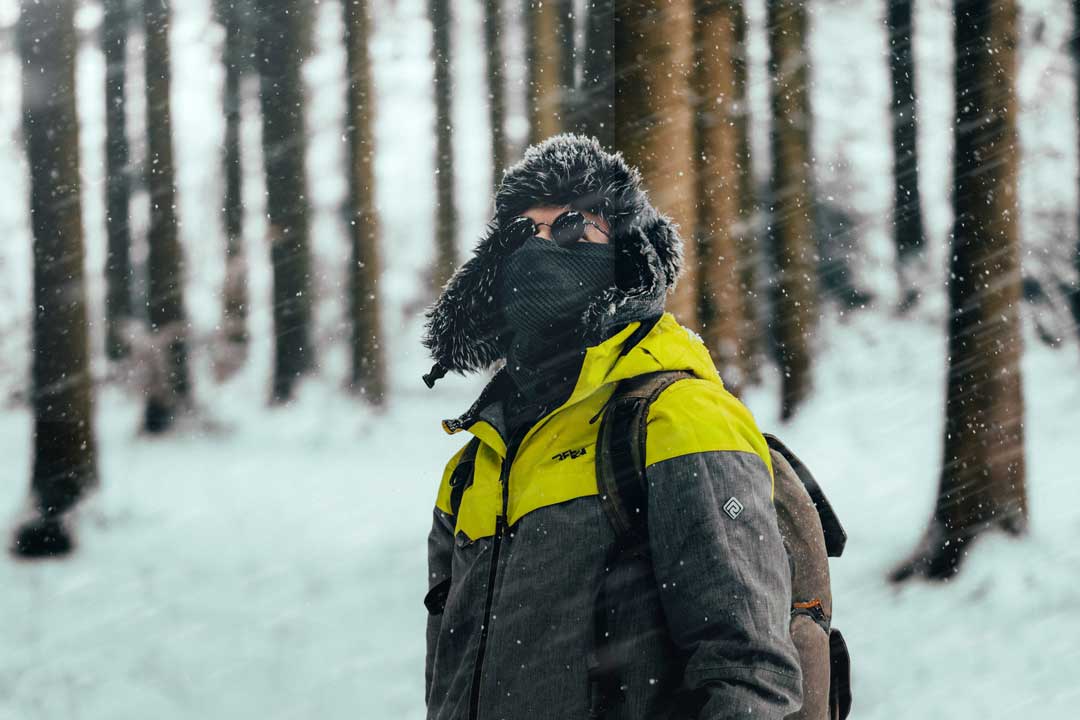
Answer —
224 220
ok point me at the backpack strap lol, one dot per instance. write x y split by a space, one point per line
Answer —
620 456
835 536
462 475
620 477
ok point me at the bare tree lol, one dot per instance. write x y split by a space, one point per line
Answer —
493 28
593 103
982 475
907 207
169 392
118 298
654 119
546 27
446 218
720 219
1074 291
65 459
749 248
566 27
281 48
232 14
368 358
795 297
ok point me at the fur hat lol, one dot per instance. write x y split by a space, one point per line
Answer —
465 330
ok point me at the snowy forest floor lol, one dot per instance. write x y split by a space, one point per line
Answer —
272 564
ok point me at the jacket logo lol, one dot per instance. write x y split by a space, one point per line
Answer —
733 507
568 454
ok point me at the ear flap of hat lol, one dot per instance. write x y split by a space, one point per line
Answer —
664 237
648 257
462 331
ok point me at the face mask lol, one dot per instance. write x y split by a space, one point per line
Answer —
545 289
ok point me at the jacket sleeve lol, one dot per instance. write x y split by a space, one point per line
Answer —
723 573
440 554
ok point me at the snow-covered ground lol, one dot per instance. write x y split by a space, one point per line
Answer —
270 564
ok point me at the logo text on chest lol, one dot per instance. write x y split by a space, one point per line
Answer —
568 454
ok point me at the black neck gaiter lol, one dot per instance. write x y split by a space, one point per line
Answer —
544 291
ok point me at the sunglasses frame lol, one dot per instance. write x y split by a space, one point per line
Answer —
533 227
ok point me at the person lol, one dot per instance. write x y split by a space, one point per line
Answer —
567 290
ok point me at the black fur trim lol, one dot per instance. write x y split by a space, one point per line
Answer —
464 329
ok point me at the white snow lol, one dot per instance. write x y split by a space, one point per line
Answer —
271 563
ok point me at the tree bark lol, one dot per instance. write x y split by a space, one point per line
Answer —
231 15
65 460
446 218
168 323
795 296
982 477
749 235
654 120
719 178
568 58
493 28
281 47
368 363
1074 291
594 98
545 60
118 298
907 207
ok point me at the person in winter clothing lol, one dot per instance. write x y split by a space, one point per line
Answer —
520 548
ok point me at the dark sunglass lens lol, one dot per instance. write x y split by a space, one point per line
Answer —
519 230
568 228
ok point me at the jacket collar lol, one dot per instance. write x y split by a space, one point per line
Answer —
641 347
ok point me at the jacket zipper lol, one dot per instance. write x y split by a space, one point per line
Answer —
496 544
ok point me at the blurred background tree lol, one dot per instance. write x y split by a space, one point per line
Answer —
794 299
65 456
118 303
368 358
719 91
907 206
654 121
169 386
235 19
982 483
281 49
446 216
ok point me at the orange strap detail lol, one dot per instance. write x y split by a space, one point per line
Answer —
807 605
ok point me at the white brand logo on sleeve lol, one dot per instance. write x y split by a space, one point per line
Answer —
733 507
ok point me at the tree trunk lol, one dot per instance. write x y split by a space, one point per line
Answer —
169 390
795 297
1074 291
719 178
118 298
446 256
982 477
565 23
654 120
748 237
907 208
281 46
65 464
594 99
544 58
493 28
368 363
231 15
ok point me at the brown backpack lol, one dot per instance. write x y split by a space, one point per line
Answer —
810 529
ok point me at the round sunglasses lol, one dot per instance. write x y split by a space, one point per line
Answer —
567 229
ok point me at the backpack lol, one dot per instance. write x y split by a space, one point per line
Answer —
809 527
